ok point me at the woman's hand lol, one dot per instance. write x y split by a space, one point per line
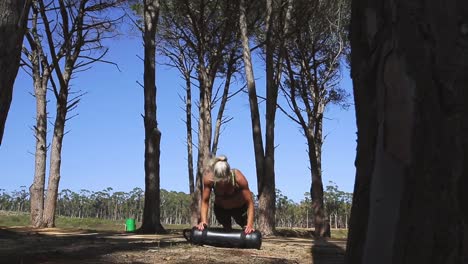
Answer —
248 229
202 225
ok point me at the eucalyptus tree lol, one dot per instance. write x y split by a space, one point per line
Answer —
13 26
137 203
149 10
408 65
333 199
346 208
40 68
4 200
305 210
151 211
20 199
285 210
207 29
316 49
72 33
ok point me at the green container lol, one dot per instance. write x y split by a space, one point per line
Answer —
130 225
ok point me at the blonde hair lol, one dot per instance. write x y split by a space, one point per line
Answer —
220 167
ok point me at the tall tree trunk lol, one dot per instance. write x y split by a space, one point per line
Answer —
193 185
266 190
254 112
55 160
48 218
37 188
188 117
41 79
409 64
315 142
151 212
204 139
13 23
321 226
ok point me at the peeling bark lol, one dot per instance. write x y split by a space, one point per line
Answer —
13 22
409 64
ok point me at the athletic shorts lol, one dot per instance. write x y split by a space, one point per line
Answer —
224 215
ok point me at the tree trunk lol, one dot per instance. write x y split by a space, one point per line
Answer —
193 185
151 212
13 22
265 212
37 188
409 64
346 221
274 63
321 227
41 79
204 140
336 221
188 116
315 142
55 160
266 187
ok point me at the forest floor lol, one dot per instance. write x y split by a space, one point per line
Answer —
20 244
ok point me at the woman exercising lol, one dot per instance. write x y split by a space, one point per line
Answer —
232 196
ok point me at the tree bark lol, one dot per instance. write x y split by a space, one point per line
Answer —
37 188
204 137
13 23
321 226
274 64
188 117
254 113
151 212
40 79
48 219
315 142
408 65
64 76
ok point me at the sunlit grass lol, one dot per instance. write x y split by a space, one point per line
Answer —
309 232
339 233
13 218
90 223
10 219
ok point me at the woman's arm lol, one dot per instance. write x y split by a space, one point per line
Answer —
207 184
247 195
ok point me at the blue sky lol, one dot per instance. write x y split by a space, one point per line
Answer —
104 146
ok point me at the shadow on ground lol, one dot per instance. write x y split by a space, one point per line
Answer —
20 245
52 246
328 252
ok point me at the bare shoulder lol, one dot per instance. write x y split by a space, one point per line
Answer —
208 178
240 179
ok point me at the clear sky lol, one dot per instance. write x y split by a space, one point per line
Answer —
104 146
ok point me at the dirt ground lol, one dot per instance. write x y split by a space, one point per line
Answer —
25 245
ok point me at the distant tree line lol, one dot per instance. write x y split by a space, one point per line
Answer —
175 206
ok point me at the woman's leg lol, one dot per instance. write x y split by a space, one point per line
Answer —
240 215
224 217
